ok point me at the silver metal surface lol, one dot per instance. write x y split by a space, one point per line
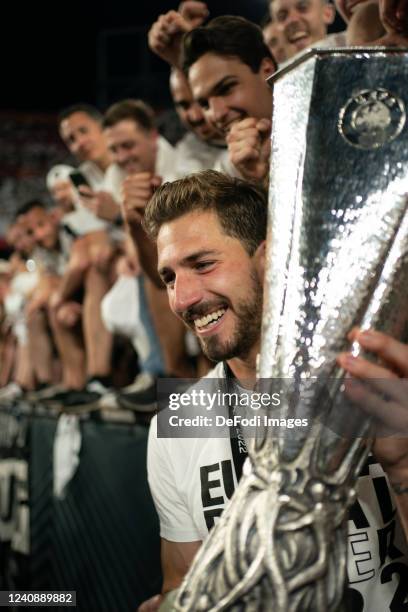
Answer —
337 257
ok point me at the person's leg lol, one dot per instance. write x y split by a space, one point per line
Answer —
24 374
147 342
171 332
68 339
74 274
40 347
98 340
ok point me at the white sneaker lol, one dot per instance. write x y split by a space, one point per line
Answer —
142 381
11 392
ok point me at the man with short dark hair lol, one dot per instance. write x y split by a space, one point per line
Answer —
80 127
227 63
202 147
144 159
210 233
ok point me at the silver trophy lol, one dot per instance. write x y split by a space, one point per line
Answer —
337 257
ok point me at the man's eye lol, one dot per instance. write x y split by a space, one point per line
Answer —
303 6
168 279
203 265
281 16
226 88
203 103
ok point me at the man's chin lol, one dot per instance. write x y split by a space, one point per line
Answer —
303 44
216 351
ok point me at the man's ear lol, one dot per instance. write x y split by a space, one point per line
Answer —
268 67
260 259
329 13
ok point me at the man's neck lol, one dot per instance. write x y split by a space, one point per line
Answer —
244 370
104 162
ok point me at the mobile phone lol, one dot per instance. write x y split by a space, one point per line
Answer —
78 179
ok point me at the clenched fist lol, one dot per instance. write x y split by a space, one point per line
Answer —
137 190
249 147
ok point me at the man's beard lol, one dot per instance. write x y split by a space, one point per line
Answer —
247 330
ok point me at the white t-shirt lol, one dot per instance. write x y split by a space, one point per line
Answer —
194 155
83 221
192 480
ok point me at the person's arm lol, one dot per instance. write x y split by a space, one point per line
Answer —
176 558
101 203
175 519
385 397
249 148
394 15
166 33
136 192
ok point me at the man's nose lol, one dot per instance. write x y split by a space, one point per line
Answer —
187 291
218 110
291 17
195 114
121 155
80 141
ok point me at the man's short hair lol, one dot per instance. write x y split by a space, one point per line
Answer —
135 110
228 36
241 207
88 109
30 205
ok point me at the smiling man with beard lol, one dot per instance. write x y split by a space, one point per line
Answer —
210 231
210 234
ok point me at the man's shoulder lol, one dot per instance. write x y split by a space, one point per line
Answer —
165 160
216 373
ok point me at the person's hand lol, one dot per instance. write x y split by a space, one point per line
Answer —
151 605
394 15
194 12
69 313
391 39
101 203
38 301
249 147
384 396
55 300
165 36
346 8
137 190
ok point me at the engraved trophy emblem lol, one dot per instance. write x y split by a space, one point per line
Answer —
371 118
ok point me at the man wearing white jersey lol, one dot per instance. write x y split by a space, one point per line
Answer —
144 159
210 234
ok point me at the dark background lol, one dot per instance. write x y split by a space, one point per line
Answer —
60 53
54 54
